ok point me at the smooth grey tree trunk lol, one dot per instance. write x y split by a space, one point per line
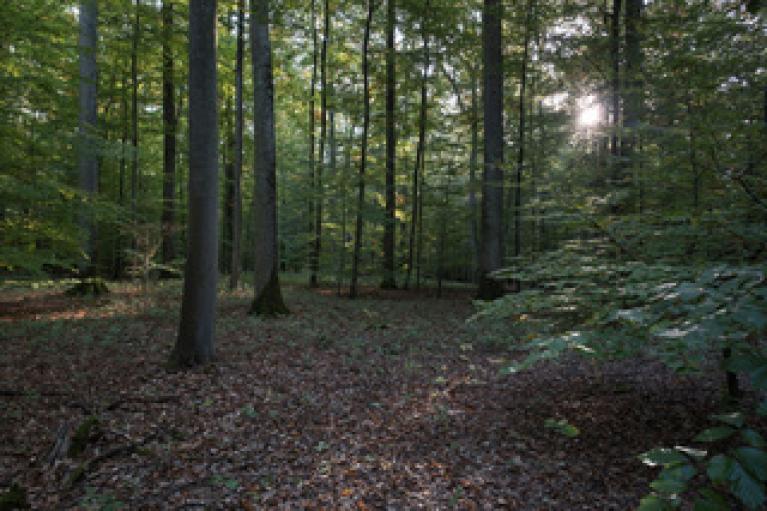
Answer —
314 258
419 152
87 154
169 138
236 265
363 156
268 295
134 183
389 281
195 344
492 179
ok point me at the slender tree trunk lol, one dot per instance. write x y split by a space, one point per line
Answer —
492 179
236 264
473 157
419 244
363 156
632 109
268 295
134 113
420 148
314 260
119 258
319 195
169 138
227 126
615 94
521 138
389 281
344 209
87 154
195 343
442 240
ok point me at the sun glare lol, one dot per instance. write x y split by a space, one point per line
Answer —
589 112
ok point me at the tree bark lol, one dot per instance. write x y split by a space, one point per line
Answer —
492 178
236 265
87 154
268 295
420 148
195 343
389 281
134 113
314 259
363 156
615 96
169 138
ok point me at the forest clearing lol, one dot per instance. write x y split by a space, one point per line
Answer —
391 401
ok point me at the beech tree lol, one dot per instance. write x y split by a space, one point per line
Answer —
268 296
195 342
491 257
87 144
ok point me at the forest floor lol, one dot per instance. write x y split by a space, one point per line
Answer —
390 401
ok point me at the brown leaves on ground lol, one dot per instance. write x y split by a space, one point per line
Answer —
387 402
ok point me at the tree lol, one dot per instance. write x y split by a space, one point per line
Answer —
87 145
236 236
169 137
364 151
314 257
389 281
195 342
268 296
492 177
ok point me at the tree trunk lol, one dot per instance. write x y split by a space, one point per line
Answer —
169 138
314 258
492 178
236 265
389 281
521 138
134 185
615 94
344 189
363 156
473 156
268 295
319 196
195 343
420 148
632 109
87 154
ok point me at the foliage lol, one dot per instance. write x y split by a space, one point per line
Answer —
739 471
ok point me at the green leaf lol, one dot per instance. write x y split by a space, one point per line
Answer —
759 378
714 434
744 362
654 503
711 500
669 486
720 468
747 489
753 438
662 456
733 419
563 427
754 460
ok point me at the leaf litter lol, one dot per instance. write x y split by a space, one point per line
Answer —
391 401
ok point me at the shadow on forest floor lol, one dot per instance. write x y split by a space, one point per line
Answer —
386 402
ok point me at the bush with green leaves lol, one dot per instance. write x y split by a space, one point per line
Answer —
733 471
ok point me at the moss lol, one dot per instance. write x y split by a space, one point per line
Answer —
14 498
82 435
269 302
89 287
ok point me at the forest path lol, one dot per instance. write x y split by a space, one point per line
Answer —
391 401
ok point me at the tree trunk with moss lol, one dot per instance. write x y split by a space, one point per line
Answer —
268 296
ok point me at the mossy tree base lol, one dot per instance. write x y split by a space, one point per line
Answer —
269 301
389 284
489 288
89 287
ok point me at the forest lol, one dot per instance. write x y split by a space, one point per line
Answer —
383 254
